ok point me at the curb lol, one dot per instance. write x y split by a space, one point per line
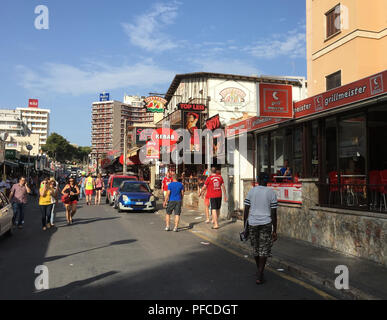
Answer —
292 269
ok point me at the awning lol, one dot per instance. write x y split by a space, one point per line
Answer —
11 164
133 152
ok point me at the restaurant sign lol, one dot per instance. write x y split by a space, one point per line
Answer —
339 97
155 104
251 124
192 107
275 101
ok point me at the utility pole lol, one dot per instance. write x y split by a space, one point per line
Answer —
125 147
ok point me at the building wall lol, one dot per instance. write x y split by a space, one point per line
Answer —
358 50
20 143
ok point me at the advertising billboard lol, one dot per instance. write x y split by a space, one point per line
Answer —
275 101
33 103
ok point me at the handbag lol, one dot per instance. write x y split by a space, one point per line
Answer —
65 198
244 235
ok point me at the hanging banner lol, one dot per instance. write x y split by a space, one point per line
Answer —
155 104
275 101
213 123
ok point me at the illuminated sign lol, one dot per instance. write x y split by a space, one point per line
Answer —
192 107
33 103
275 101
155 104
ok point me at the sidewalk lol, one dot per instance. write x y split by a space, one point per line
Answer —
367 280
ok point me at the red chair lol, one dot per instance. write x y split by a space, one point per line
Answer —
383 188
374 186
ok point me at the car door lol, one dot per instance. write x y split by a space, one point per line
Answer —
5 214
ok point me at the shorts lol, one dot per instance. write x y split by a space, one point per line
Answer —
89 192
174 207
261 240
98 189
71 202
216 203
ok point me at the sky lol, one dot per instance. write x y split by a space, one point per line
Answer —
137 47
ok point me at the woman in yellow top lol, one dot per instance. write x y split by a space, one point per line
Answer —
45 203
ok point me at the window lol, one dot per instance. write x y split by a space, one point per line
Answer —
333 80
333 21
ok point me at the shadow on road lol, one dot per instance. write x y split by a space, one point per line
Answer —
117 243
65 292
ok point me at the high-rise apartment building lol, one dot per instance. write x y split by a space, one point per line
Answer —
108 125
38 121
11 122
346 41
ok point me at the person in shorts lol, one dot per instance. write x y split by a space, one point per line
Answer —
89 188
173 202
214 186
166 181
261 214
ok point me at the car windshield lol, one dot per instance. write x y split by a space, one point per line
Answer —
134 187
117 181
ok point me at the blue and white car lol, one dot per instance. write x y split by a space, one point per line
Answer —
135 196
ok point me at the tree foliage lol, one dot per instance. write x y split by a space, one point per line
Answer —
58 148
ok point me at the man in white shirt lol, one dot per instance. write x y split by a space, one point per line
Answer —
261 214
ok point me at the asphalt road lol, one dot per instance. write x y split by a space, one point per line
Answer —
106 255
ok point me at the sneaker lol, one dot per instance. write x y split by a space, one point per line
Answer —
176 230
167 229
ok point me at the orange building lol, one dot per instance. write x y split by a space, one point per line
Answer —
346 41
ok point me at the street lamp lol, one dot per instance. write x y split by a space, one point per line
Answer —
29 148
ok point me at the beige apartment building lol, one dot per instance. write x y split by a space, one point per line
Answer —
346 41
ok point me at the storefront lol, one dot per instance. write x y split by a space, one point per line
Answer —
334 153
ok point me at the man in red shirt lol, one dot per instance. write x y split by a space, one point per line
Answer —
214 186
166 181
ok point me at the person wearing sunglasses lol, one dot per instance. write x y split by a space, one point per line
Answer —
72 191
45 205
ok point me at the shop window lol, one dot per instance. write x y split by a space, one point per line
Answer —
297 152
331 145
377 126
263 153
352 146
314 150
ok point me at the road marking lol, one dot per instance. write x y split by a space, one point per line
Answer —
282 275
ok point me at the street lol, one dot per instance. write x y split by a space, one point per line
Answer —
107 255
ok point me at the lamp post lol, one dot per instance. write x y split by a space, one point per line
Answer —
125 168
29 148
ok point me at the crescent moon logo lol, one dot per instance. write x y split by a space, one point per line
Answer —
376 82
275 95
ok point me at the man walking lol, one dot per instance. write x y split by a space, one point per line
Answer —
173 202
89 186
261 214
18 197
214 186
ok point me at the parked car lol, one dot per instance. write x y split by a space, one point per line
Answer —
6 215
135 196
113 184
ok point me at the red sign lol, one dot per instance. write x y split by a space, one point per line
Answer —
130 161
275 101
192 107
213 123
354 92
165 136
33 103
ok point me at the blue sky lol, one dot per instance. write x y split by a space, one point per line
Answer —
136 47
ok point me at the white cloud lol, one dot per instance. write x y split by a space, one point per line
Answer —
292 45
145 31
67 79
